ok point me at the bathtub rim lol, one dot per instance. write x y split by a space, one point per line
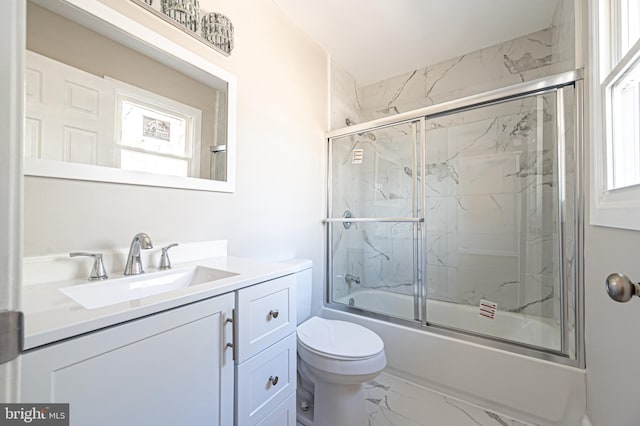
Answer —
492 342
504 318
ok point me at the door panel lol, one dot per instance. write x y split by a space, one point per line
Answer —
72 110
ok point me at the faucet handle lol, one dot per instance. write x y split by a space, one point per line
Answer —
98 271
165 263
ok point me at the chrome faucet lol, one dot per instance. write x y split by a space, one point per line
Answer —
141 241
351 279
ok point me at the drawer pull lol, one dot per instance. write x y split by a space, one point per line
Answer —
274 314
273 380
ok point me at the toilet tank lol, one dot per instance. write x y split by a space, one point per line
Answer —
304 283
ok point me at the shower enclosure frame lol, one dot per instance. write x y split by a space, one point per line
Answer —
554 83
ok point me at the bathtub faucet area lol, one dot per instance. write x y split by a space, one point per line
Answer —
351 279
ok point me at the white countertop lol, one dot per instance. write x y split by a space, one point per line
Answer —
51 316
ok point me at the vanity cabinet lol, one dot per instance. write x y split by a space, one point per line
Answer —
266 354
226 360
171 368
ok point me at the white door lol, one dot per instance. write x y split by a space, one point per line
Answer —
611 333
72 110
12 29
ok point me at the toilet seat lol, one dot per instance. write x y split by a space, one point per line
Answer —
338 340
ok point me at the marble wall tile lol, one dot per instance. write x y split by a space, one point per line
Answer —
491 196
381 255
523 59
441 282
490 201
563 36
345 97
526 58
440 214
484 216
500 286
381 183
442 249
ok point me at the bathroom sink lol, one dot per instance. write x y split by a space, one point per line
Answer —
109 292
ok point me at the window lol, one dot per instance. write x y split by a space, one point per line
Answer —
156 134
615 112
629 23
622 132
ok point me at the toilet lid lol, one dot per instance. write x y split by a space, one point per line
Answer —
339 339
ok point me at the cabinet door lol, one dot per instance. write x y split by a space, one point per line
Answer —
172 368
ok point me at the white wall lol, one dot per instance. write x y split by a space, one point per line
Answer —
277 208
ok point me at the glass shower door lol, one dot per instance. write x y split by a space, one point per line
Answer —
374 220
497 206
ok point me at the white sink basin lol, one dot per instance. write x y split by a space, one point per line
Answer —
109 292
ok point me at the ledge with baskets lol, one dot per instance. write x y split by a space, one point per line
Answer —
211 28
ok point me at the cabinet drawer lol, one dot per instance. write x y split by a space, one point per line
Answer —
265 381
266 314
282 415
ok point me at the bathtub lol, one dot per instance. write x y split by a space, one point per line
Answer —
541 332
525 388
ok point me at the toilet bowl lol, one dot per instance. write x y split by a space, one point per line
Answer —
337 357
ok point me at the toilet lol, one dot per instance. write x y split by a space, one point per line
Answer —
335 358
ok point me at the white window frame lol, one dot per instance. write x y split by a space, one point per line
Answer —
138 96
618 208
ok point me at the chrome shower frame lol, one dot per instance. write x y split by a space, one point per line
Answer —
554 83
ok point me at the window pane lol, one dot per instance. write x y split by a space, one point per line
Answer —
630 20
153 130
625 144
141 162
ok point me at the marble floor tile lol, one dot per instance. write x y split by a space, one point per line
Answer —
391 401
396 402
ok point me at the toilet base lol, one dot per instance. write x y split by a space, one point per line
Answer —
348 407
330 404
345 402
304 396
304 417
